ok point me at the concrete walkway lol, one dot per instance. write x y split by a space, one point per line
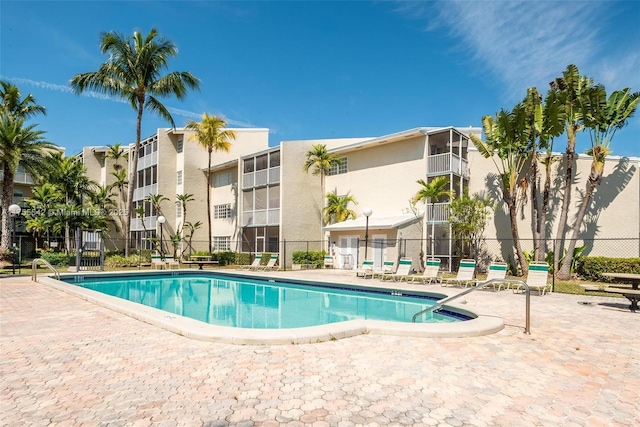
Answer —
65 361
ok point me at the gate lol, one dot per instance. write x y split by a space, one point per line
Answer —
90 250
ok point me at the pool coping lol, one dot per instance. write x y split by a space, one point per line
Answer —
480 324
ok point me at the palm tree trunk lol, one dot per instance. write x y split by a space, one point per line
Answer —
209 200
433 230
542 220
7 199
566 200
321 208
536 212
564 272
513 218
133 175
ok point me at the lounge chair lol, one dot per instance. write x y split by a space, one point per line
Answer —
431 272
404 267
497 271
536 278
171 262
466 271
328 261
386 268
157 262
255 264
366 269
271 265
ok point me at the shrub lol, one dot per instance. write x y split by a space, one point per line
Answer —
309 257
224 258
116 260
243 258
590 268
59 259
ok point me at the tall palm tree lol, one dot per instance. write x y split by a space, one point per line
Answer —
133 73
20 144
43 199
603 117
117 154
181 200
337 209
508 138
319 161
433 192
570 88
211 133
155 200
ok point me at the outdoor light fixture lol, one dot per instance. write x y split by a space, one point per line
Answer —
367 213
161 221
14 211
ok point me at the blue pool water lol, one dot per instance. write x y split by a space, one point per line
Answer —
262 304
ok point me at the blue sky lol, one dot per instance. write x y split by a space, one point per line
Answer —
309 70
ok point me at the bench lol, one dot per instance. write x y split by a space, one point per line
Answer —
201 263
632 295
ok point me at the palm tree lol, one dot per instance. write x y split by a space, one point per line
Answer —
603 118
212 135
434 191
509 136
319 162
20 144
337 209
570 90
43 199
181 200
133 73
117 153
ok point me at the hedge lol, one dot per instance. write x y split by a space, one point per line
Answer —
590 268
309 257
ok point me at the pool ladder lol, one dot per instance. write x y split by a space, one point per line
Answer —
438 305
34 269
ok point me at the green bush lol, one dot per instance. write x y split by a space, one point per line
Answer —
309 257
224 258
59 259
116 260
265 258
243 258
590 268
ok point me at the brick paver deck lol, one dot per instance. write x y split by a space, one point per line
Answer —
65 361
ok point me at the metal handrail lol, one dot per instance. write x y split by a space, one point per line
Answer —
34 269
440 303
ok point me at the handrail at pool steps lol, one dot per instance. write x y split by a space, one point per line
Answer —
34 269
438 305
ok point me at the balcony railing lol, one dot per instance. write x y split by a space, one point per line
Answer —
142 192
150 223
447 163
261 178
440 212
19 178
261 217
148 160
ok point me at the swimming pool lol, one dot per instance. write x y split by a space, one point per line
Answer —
246 302
265 296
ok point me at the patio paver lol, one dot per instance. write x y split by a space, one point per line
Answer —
65 361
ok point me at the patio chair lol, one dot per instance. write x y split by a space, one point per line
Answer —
171 262
404 267
157 262
431 272
271 265
366 269
387 267
497 271
466 271
328 261
536 278
255 264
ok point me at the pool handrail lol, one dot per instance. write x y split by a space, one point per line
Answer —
34 269
440 303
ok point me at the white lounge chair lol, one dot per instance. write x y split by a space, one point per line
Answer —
431 272
536 278
387 267
404 267
255 264
497 271
366 269
466 271
157 262
171 262
328 261
271 265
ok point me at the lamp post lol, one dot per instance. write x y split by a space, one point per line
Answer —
14 211
367 213
161 221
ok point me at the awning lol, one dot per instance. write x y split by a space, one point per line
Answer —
375 222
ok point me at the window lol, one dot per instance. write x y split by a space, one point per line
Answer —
223 178
179 211
179 178
339 169
221 243
262 162
274 159
179 145
222 211
249 165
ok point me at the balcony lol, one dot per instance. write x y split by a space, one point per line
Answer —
440 212
440 164
261 178
148 160
19 178
142 192
150 223
261 217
